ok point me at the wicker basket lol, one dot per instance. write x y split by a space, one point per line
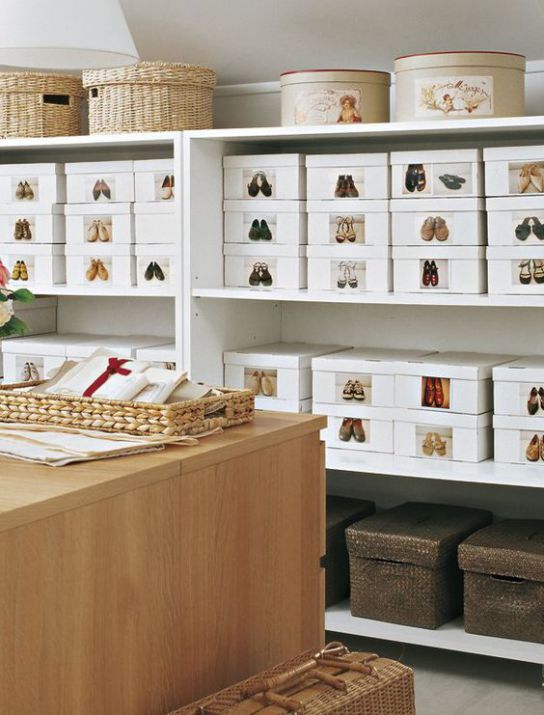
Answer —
233 407
403 563
331 681
504 580
150 97
341 512
39 105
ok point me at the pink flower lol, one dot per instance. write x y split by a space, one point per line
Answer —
4 275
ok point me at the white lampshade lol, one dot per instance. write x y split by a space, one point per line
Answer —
64 34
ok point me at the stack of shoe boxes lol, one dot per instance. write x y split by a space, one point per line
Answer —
100 224
438 221
163 356
348 223
265 221
515 184
32 224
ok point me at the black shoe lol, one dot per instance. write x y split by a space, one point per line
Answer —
105 189
265 187
266 278
351 190
255 275
149 271
421 178
523 230
538 228
253 187
341 187
410 179
266 233
157 270
254 232
452 182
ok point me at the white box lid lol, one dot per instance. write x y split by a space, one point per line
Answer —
154 207
98 249
89 343
436 205
30 170
32 208
349 206
262 161
338 160
514 153
435 418
48 344
266 207
98 167
436 156
155 249
287 355
516 203
354 250
514 253
525 369
531 424
272 250
154 165
97 209
354 409
375 360
465 366
158 353
29 248
435 252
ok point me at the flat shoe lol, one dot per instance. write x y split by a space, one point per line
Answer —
428 397
426 277
532 402
20 191
346 429
538 270
105 189
266 233
438 392
158 272
24 271
359 392
29 193
34 373
267 385
421 178
16 271
532 451
348 390
427 229
27 233
255 382
538 228
96 190
102 270
92 271
427 446
535 177
103 233
254 232
255 275
358 431
434 274
148 273
92 233
266 278
253 187
441 230
18 230
523 230
524 178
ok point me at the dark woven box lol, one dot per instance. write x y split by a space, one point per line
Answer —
403 563
504 580
341 512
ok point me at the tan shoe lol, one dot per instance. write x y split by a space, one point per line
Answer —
524 178
27 233
23 271
441 230
358 431
20 191
102 270
29 193
535 177
16 271
92 270
92 232
18 229
103 233
533 449
427 445
267 386
350 230
346 429
427 229
440 445
255 382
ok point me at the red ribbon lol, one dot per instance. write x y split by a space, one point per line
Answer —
114 368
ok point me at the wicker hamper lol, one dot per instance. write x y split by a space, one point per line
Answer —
341 512
403 563
36 104
150 97
331 681
504 580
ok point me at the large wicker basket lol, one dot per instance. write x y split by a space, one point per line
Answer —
150 97
39 105
233 407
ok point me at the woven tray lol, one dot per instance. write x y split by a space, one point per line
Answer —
192 417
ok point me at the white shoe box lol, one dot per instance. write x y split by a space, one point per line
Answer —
118 258
465 163
512 436
370 265
287 221
117 218
81 178
149 176
370 220
465 220
160 253
370 174
512 383
155 223
286 365
466 381
504 215
14 366
503 269
284 172
469 438
46 222
503 165
377 424
286 264
47 352
44 262
374 368
461 269
47 181
163 356
127 346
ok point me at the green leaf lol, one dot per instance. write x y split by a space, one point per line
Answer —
3 297
24 295
14 326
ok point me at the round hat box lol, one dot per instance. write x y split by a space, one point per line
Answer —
459 85
316 97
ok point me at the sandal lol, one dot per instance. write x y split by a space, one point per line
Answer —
538 270
410 179
523 229
427 446
340 231
342 279
440 445
349 230
421 178
525 273
352 278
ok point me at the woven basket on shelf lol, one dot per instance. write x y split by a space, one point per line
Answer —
36 104
233 407
150 97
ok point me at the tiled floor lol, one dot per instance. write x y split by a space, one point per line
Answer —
458 684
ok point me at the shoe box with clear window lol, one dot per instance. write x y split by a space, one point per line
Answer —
437 173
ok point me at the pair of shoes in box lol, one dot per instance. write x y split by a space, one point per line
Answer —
434 392
259 182
345 229
347 275
434 227
525 274
24 191
153 270
260 275
22 230
352 427
353 390
530 175
430 274
30 372
532 402
261 384
535 449
98 232
259 232
523 230
19 271
345 187
434 444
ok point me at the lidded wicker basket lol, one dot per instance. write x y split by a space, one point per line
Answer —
150 97
38 104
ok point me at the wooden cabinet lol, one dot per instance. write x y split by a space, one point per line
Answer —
135 585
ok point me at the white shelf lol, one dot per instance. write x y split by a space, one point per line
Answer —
128 292
487 472
451 636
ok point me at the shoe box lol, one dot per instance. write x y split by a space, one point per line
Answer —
127 346
163 356
514 170
444 269
84 178
516 221
44 223
372 370
270 266
438 222
264 222
347 177
348 222
155 223
519 409
153 181
46 352
44 264
437 173
28 184
117 258
85 222
264 177
350 269
155 265
280 373
515 269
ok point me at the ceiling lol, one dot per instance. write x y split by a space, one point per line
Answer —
254 41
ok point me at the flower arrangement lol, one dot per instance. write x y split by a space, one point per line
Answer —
10 324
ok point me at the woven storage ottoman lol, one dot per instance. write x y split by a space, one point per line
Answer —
150 97
403 563
341 512
36 104
331 681
504 580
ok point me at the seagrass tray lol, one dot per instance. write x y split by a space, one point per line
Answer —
191 417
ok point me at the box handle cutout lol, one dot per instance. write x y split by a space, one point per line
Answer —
61 99
508 579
